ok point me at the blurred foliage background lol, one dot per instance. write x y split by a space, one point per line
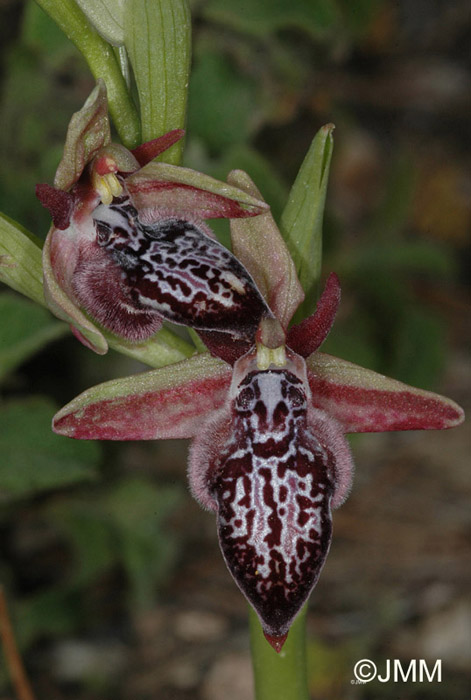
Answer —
113 576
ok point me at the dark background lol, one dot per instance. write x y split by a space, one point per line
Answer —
113 576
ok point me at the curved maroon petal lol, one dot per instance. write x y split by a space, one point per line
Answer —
151 149
308 336
59 203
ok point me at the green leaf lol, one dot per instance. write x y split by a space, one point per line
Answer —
268 16
146 548
86 525
158 41
273 189
52 613
301 222
107 17
24 330
221 102
419 348
20 259
33 458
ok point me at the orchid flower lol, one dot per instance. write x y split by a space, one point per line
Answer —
269 455
129 246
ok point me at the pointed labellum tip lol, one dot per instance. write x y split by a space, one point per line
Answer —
276 642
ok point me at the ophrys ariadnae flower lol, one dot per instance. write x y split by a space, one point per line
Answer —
269 455
129 244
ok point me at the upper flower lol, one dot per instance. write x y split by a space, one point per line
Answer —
269 455
129 245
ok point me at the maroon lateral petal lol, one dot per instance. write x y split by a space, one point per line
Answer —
306 337
59 203
151 149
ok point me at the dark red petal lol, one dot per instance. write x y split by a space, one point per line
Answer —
161 186
59 203
308 336
151 149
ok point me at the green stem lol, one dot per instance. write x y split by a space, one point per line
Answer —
280 676
103 64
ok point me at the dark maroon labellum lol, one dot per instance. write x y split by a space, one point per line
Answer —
273 484
169 268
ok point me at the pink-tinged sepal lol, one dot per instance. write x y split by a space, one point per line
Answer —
170 402
306 337
88 132
364 401
165 187
260 247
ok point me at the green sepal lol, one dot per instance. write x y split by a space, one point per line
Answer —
88 132
301 221
258 244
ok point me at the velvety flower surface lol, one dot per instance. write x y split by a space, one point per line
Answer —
269 455
129 245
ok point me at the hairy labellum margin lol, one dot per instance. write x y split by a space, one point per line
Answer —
151 266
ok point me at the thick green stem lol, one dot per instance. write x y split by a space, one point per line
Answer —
103 64
280 676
